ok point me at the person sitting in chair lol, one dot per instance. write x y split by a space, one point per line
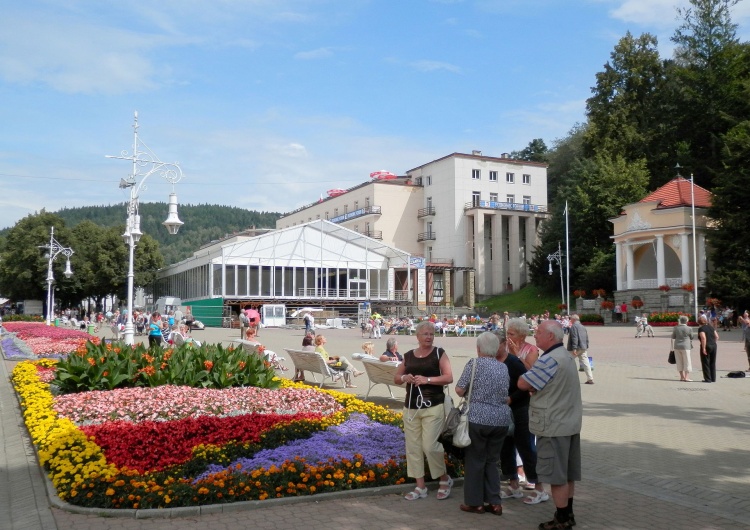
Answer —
337 363
391 352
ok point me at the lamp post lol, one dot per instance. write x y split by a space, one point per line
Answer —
54 249
557 258
144 159
695 243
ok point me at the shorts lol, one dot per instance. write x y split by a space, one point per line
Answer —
558 459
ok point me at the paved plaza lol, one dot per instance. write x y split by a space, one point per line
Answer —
657 452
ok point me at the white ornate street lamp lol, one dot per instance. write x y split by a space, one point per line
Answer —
144 159
54 249
557 258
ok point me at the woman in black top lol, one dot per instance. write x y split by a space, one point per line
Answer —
425 370
708 337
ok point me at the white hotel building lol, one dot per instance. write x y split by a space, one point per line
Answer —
473 219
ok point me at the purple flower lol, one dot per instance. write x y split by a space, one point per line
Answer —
376 442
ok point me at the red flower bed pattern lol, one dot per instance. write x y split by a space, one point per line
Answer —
171 443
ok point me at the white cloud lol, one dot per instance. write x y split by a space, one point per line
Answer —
656 13
433 66
319 53
73 57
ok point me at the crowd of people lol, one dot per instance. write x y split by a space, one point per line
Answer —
522 400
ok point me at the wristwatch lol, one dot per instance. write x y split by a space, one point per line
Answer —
429 380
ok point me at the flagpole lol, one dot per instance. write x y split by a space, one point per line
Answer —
567 257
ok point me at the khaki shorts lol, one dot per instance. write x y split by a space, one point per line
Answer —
558 459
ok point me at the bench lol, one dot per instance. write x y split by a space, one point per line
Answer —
314 363
378 372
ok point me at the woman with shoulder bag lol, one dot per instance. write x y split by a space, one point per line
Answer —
489 420
425 370
682 343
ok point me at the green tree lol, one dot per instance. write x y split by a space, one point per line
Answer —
710 70
595 190
23 265
536 151
730 241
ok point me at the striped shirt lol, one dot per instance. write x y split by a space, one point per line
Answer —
543 371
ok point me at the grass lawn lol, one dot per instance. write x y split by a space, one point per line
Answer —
529 300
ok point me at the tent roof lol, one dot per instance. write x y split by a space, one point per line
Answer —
317 243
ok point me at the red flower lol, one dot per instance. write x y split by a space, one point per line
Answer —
208 365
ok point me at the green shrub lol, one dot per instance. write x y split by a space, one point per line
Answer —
592 319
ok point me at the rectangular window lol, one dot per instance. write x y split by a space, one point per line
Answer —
526 179
346 208
326 216
367 202
335 212
493 176
510 198
476 174
475 198
527 199
510 178
429 180
356 205
429 202
317 216
493 197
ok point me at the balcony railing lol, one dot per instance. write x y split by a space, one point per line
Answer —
425 212
440 262
426 236
367 210
375 234
653 283
359 294
494 205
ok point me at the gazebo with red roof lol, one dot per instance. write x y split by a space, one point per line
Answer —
654 246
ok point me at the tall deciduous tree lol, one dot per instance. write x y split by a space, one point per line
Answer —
23 265
595 189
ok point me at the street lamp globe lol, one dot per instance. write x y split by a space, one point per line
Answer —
173 222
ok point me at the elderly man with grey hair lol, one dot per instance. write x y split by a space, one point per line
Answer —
578 345
555 417
391 352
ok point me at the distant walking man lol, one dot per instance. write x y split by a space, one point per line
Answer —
555 417
578 345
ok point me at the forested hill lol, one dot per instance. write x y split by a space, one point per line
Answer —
203 223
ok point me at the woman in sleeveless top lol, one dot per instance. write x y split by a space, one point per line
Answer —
425 370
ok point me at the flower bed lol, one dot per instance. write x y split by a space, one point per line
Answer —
207 446
48 341
668 319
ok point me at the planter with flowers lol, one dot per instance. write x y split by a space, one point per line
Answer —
636 304
606 310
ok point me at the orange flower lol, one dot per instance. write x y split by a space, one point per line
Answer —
208 365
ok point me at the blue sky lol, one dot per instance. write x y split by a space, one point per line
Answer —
266 104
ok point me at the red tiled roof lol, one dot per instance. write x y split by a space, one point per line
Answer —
676 193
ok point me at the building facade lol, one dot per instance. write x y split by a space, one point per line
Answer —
655 246
471 220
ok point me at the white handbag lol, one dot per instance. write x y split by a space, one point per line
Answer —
461 436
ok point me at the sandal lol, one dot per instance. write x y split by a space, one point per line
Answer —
357 373
536 497
511 493
418 493
445 489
